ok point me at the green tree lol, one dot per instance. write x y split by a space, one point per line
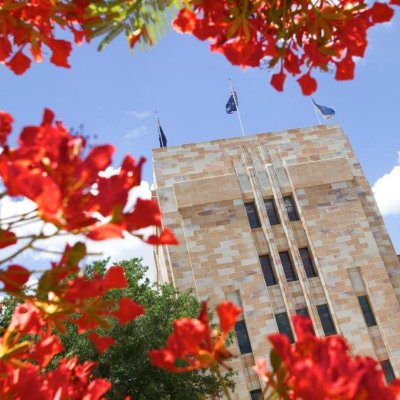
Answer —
126 363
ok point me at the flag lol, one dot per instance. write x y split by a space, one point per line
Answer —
161 136
326 112
231 105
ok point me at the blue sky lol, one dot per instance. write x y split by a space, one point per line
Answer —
114 94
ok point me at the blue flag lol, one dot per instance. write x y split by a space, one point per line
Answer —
232 103
326 112
161 137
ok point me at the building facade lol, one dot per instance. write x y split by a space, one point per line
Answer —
281 223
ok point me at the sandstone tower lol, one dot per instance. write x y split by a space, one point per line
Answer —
281 223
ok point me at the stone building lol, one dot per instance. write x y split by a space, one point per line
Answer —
281 223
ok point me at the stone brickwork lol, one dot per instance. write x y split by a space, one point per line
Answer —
202 190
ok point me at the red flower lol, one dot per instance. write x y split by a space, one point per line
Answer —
278 80
194 343
322 368
165 238
115 278
102 343
6 121
128 310
345 69
381 12
308 84
71 192
14 278
19 63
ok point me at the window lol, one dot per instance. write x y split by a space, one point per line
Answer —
290 208
307 263
303 311
271 211
252 215
242 337
267 270
388 370
367 311
255 394
284 327
287 266
326 320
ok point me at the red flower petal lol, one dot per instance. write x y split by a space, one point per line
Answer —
19 63
7 238
228 314
166 237
146 213
345 69
128 310
61 50
96 389
27 319
5 48
102 343
308 84
6 121
278 80
303 327
45 349
48 117
381 12
15 277
107 231
115 278
185 22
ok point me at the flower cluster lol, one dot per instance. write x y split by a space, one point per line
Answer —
299 35
193 344
321 368
31 24
48 168
25 351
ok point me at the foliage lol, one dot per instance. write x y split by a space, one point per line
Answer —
298 36
140 20
126 364
69 193
321 368
294 36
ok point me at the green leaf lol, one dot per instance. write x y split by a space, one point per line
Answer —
275 360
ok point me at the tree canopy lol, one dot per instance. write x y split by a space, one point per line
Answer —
126 364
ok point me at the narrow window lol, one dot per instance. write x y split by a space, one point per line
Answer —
291 208
307 263
287 266
271 211
388 371
255 394
303 311
242 337
284 327
326 320
267 270
252 215
367 311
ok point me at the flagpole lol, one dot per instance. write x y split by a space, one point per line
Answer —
316 112
158 126
237 106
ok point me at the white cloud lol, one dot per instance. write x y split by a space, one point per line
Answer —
117 249
387 191
136 132
139 114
